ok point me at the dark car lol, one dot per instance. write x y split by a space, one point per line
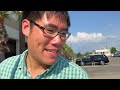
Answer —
116 55
83 61
100 59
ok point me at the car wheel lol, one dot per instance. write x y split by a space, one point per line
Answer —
82 63
102 63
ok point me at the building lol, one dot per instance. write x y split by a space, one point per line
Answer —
102 51
14 38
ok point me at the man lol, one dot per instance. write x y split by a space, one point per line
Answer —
46 33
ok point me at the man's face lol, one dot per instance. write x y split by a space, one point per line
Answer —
41 48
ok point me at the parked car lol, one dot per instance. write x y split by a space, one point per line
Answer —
116 55
100 59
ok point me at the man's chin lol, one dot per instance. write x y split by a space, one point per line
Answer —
51 62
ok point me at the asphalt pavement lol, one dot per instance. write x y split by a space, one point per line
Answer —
108 71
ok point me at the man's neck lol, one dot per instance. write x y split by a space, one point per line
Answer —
34 67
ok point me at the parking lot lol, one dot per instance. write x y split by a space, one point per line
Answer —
108 71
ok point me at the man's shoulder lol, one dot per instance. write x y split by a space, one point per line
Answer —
9 65
9 61
6 66
67 62
71 68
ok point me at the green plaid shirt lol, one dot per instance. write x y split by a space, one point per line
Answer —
15 68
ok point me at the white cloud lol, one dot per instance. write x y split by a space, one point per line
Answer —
82 36
87 42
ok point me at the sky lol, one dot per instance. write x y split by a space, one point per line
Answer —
92 30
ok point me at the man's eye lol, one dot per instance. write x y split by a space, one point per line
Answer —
50 31
63 33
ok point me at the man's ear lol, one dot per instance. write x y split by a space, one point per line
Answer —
25 27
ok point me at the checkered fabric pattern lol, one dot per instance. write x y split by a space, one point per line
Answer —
15 68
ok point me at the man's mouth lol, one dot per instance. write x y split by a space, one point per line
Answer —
52 50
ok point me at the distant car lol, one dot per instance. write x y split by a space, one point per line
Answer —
116 55
100 59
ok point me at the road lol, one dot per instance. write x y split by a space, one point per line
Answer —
108 71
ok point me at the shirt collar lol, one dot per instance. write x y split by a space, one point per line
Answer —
22 64
23 67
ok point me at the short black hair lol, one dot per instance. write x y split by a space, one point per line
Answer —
35 15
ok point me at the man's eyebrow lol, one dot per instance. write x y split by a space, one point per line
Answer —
65 29
51 25
55 27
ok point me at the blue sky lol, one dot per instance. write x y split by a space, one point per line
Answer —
94 30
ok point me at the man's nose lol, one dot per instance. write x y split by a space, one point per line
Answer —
57 40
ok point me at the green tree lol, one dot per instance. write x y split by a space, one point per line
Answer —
67 52
87 54
113 50
79 55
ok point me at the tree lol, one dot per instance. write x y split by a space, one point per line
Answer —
113 50
79 55
3 33
87 54
67 52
